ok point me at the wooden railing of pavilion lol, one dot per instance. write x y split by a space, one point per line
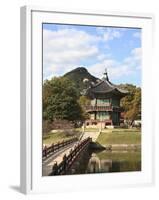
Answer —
55 147
64 166
102 108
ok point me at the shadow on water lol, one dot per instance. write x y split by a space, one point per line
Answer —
107 161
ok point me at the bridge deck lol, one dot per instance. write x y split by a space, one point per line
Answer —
56 157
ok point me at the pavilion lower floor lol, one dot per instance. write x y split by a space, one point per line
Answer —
103 119
99 124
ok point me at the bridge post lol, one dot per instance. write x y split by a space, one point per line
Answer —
58 145
71 154
45 151
63 143
54 169
64 162
52 147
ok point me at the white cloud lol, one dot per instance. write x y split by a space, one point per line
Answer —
103 56
110 33
137 34
134 60
136 53
117 69
66 48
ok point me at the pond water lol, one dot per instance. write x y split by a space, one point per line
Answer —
108 161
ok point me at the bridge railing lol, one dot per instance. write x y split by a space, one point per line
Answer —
68 160
55 147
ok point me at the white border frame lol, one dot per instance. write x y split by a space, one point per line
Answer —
31 180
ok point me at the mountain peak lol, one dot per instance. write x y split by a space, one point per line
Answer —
81 77
80 70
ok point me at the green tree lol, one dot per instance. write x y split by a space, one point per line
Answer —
60 100
84 101
131 103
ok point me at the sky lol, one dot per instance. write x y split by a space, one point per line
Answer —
66 47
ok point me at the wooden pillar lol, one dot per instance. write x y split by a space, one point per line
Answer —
95 113
119 118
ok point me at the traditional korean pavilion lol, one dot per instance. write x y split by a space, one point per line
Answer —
105 110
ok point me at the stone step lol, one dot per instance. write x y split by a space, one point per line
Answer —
93 135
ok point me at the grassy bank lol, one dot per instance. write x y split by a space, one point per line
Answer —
88 129
114 136
57 137
120 137
119 156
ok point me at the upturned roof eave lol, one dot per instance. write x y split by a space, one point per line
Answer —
111 91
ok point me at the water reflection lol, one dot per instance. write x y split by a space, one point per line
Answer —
114 161
96 165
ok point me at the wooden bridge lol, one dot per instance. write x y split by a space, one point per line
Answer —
58 160
47 151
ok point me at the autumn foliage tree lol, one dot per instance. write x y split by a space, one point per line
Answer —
131 103
84 101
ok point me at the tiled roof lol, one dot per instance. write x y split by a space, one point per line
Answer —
105 86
